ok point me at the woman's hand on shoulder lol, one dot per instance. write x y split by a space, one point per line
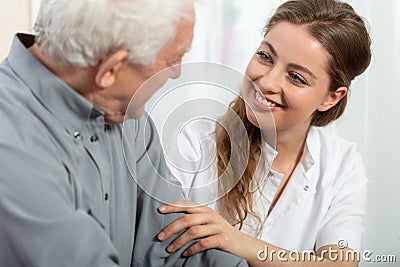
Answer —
203 223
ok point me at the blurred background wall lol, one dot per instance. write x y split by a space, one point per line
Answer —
14 16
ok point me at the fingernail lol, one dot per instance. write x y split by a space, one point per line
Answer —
162 208
161 236
185 253
170 248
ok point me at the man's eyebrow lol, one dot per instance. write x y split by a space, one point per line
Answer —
188 48
186 51
183 52
292 65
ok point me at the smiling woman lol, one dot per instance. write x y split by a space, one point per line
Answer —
311 189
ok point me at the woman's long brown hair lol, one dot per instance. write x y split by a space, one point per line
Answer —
342 32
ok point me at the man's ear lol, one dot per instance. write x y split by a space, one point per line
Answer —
333 98
109 67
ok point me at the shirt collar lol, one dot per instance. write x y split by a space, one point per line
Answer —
269 152
310 150
63 102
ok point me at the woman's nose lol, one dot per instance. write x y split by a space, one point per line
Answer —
271 81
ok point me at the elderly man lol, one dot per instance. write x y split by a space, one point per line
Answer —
67 196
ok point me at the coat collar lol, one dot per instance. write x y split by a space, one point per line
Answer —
62 101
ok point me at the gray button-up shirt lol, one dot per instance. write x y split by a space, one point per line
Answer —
68 194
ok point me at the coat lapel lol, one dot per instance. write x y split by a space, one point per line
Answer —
302 183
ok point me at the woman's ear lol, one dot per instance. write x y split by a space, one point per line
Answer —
333 98
109 67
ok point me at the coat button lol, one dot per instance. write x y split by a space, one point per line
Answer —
94 138
77 135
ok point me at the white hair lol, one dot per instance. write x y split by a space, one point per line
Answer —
81 32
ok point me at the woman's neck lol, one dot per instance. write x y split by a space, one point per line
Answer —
290 146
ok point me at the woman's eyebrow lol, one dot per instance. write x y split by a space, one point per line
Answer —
301 68
271 47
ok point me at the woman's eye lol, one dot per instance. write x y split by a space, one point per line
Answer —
263 56
297 78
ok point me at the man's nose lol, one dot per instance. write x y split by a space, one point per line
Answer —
175 71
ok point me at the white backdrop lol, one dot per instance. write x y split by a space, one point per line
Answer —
229 31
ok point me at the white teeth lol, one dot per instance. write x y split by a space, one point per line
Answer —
264 101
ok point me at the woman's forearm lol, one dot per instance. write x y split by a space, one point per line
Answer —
259 253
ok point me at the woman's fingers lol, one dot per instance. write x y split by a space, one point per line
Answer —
182 223
201 245
200 222
183 206
194 232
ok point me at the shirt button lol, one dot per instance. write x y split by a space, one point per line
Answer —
306 187
77 135
94 138
106 196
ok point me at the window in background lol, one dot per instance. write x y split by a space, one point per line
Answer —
229 31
